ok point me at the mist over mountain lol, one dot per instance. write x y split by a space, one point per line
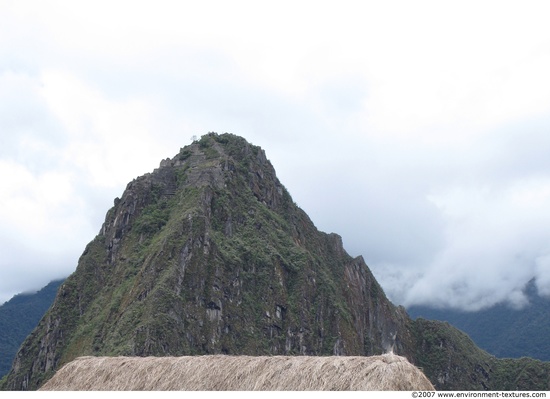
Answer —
502 330
209 254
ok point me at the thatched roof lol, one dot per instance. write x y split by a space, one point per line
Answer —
239 373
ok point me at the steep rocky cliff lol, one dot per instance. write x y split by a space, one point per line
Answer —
209 254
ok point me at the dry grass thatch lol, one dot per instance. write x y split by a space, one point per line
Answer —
239 373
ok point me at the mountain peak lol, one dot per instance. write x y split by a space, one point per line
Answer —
208 254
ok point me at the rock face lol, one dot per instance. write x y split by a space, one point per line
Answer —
209 255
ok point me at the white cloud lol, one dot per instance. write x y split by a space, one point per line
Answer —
415 130
542 274
110 141
494 242
43 225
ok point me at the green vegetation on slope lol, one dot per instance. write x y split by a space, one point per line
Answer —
453 362
18 317
209 254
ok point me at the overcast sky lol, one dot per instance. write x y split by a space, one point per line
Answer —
418 131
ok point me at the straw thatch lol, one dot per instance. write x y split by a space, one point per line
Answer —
239 373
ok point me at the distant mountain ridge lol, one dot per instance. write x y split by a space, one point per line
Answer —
18 317
208 254
501 330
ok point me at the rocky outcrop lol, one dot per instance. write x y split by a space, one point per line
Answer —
208 254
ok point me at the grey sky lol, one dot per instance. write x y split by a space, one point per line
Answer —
417 131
